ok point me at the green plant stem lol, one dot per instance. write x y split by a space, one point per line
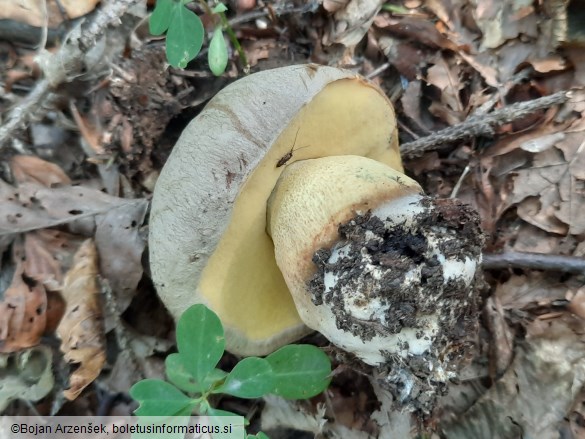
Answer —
205 6
235 42
231 34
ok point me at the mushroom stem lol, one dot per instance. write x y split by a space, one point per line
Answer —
380 269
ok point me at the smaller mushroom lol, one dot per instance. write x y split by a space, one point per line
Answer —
380 269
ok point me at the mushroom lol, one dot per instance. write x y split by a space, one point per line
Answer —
374 265
283 207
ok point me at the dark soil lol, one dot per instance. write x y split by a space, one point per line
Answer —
413 379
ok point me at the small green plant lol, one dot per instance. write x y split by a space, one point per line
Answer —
293 372
185 34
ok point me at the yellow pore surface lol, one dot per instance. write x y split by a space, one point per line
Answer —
241 281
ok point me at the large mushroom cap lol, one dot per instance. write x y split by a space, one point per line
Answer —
208 242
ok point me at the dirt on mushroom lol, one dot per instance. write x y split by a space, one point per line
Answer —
375 262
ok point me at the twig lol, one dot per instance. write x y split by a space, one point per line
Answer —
67 62
455 190
378 71
45 28
311 6
534 261
502 91
481 125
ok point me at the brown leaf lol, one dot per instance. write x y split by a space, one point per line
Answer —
351 23
334 5
548 188
405 57
40 264
556 180
411 105
577 302
483 64
549 64
49 254
420 30
32 207
536 393
27 168
502 340
503 21
529 290
81 329
446 77
121 245
33 13
22 310
258 49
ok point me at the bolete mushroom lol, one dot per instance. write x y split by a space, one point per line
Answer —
283 207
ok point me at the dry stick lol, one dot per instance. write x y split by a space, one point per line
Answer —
278 11
502 91
67 62
534 261
481 125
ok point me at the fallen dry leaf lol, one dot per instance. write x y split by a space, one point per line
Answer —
406 57
258 49
530 290
334 5
49 254
351 23
549 64
576 300
541 172
115 222
501 340
28 168
32 207
81 330
549 194
537 392
33 12
26 375
40 264
411 105
447 78
22 309
119 241
417 29
501 21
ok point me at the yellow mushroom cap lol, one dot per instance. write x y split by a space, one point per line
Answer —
208 242
313 197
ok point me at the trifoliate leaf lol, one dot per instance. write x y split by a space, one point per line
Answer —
161 17
200 341
159 398
300 371
250 378
184 37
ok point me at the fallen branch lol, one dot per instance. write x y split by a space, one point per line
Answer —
277 11
68 62
534 261
481 125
